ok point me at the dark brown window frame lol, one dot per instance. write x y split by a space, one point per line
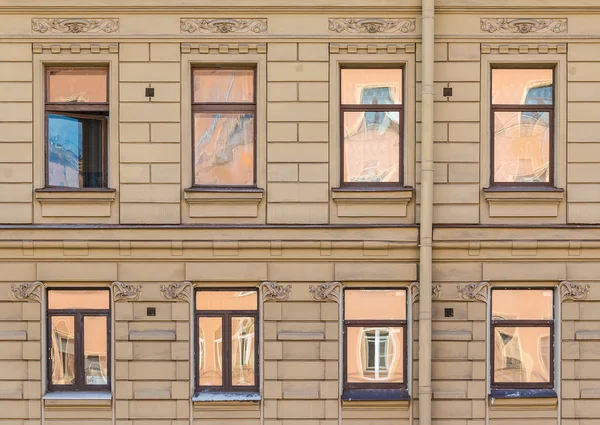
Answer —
370 108
79 315
524 108
225 107
522 323
88 110
226 316
371 322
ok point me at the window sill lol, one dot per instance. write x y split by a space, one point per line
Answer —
375 399
223 202
57 202
372 201
523 399
83 399
523 202
226 401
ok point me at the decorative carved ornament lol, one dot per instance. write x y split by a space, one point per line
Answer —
371 25
326 291
275 291
523 26
178 291
74 26
28 291
125 291
474 292
415 291
224 26
573 291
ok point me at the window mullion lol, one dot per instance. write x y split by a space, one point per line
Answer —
79 351
226 352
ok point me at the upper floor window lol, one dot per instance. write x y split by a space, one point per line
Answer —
226 340
224 133
522 338
522 127
375 339
372 126
76 110
78 340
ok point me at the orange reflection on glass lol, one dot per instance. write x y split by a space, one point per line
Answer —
522 354
224 149
375 86
522 86
522 304
95 350
375 354
226 300
77 85
372 146
378 304
223 85
521 147
210 351
62 343
78 299
242 351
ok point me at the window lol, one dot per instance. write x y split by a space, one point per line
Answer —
224 133
78 340
76 127
372 126
522 127
523 338
375 338
226 340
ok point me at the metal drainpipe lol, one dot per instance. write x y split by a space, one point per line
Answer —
426 225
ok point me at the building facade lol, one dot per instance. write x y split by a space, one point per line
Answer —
314 212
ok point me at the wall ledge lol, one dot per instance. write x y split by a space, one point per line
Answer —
226 202
75 203
523 202
372 202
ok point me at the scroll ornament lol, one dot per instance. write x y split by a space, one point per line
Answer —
276 292
573 291
28 291
474 292
371 25
224 26
125 291
415 291
523 26
74 26
326 291
181 291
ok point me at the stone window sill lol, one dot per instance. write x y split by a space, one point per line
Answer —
372 201
523 399
375 399
84 399
223 202
79 202
523 201
226 401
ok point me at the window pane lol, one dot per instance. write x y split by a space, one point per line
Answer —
223 85
75 151
371 86
521 147
375 304
522 304
242 351
522 354
226 300
210 351
95 350
375 354
522 86
224 149
62 344
77 85
372 146
96 300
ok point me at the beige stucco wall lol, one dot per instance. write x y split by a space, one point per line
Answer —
151 232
